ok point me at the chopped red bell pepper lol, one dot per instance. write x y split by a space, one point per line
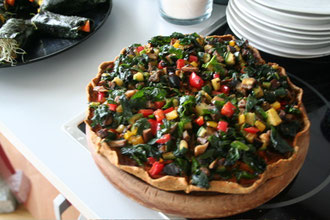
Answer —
283 104
193 58
196 81
113 107
216 75
164 139
100 96
180 63
10 2
200 120
224 89
146 112
159 114
168 110
151 160
223 126
252 130
228 109
159 104
153 126
156 168
139 48
161 64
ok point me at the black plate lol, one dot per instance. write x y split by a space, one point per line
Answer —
45 47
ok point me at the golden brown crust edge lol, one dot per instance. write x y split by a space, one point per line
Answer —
171 183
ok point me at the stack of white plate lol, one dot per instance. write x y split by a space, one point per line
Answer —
294 29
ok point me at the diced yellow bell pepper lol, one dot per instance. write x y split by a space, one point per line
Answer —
118 81
250 118
178 45
241 119
250 137
119 109
138 76
128 134
168 156
172 115
134 140
216 84
276 105
232 43
120 128
275 66
134 131
261 126
211 124
194 64
273 118
183 144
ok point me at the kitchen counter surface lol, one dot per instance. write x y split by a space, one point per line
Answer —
37 99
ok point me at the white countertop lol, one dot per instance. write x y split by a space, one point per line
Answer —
37 99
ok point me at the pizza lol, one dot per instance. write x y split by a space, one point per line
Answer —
192 113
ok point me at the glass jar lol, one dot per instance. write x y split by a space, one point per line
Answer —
185 12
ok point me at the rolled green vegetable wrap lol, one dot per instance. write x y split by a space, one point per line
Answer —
70 7
15 36
61 26
21 8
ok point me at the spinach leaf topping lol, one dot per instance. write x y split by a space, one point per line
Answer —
278 143
187 103
101 113
140 152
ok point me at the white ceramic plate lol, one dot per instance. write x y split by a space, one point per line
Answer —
318 7
289 17
280 33
303 33
244 5
275 38
267 47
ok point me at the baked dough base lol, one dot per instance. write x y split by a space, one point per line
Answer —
193 205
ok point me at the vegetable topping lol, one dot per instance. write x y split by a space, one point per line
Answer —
201 108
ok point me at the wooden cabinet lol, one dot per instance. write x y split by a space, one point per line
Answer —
42 192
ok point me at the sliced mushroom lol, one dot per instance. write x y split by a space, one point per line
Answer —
107 121
202 140
100 89
117 99
240 89
190 69
218 56
200 149
154 77
152 56
130 93
213 164
117 143
147 134
265 138
186 136
275 83
102 133
111 84
242 103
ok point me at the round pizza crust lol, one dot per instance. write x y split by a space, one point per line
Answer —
195 205
166 193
